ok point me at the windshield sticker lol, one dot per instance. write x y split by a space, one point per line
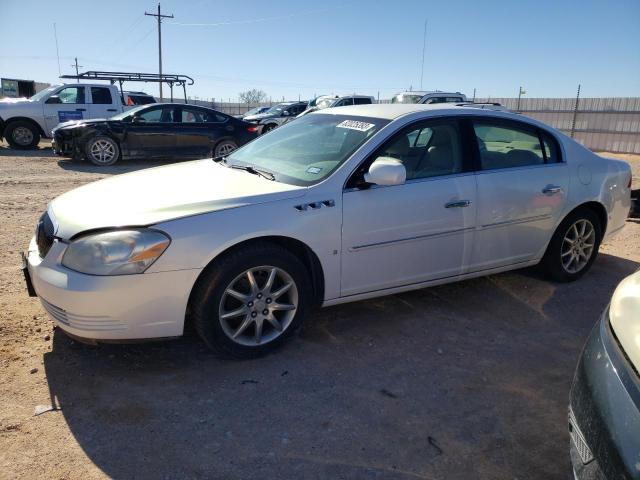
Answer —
314 170
355 125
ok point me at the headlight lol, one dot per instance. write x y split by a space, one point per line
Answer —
120 252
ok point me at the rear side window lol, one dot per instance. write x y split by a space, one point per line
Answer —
508 146
362 101
191 115
444 100
101 95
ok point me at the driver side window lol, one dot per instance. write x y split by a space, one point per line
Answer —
71 95
427 149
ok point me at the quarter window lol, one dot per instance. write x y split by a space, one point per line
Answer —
362 101
509 146
71 95
100 95
427 150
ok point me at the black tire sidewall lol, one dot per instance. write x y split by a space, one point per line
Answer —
87 150
552 261
208 294
8 133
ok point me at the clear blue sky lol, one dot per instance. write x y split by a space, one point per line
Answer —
290 48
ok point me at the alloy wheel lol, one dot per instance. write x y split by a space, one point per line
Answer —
225 149
103 151
258 305
578 246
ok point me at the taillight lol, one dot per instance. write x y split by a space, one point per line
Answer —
252 129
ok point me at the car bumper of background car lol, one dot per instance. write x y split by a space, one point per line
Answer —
110 308
604 412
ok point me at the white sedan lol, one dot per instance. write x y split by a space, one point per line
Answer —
341 205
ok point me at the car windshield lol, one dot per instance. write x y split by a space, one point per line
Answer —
43 93
325 102
406 98
128 113
278 108
308 150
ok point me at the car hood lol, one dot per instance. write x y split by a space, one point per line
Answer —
159 194
624 314
76 123
10 100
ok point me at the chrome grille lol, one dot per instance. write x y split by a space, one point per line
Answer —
44 234
578 439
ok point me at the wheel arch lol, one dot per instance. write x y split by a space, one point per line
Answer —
308 257
596 207
8 121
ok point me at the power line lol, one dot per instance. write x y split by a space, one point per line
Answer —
159 16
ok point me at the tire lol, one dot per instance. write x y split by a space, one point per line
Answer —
102 151
224 148
22 134
267 128
560 250
246 308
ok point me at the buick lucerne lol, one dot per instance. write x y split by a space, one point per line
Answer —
341 205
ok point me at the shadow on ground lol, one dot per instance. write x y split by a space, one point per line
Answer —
468 380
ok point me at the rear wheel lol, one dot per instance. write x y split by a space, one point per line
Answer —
251 301
573 247
21 134
102 151
224 148
268 127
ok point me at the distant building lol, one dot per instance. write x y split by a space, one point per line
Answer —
14 88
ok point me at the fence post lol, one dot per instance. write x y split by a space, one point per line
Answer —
575 113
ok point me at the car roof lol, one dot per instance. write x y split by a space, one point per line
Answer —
391 111
427 92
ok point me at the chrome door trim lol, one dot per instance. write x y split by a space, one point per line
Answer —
409 239
515 222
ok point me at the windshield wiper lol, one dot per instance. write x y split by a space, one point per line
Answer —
255 171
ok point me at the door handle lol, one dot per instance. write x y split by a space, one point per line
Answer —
551 189
81 109
458 204
111 110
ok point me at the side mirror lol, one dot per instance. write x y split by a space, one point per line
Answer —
285 113
138 120
53 99
386 171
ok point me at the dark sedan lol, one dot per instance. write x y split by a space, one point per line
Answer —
176 131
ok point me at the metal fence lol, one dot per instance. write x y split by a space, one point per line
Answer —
601 124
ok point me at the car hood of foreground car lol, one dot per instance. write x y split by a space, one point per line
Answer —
624 314
160 194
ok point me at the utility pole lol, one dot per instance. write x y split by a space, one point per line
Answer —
521 91
424 45
77 67
159 16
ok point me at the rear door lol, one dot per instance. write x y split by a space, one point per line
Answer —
102 104
151 133
522 189
71 104
197 132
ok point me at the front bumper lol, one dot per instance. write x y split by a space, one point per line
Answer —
114 308
605 406
62 145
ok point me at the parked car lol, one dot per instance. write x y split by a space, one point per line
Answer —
341 205
428 97
329 101
24 122
132 99
604 408
161 130
276 115
254 111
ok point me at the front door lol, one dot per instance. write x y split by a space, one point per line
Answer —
151 133
522 190
420 230
69 103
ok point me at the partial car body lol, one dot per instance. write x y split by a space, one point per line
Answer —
276 115
341 205
428 97
176 131
604 409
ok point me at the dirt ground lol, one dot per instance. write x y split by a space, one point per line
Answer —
468 380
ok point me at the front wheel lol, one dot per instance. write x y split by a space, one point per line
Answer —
251 301
573 247
102 151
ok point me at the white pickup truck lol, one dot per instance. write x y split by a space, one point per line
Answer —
24 121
